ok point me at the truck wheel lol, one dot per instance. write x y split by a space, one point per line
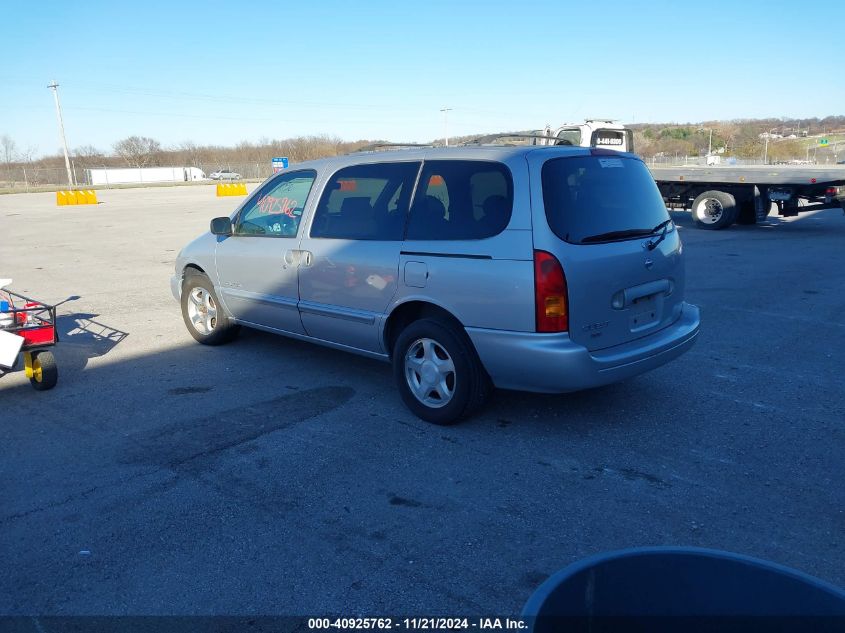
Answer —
203 315
437 370
714 210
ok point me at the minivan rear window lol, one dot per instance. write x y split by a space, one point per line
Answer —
601 198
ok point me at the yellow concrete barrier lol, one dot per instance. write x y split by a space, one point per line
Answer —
87 196
233 189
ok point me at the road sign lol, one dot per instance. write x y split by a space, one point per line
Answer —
279 164
823 142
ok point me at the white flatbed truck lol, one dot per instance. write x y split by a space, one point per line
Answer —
721 196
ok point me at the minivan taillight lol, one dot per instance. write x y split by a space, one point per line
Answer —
550 296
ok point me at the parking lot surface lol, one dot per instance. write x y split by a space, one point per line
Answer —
272 476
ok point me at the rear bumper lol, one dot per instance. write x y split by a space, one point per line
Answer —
552 363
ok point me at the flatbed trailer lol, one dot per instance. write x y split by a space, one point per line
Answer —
719 196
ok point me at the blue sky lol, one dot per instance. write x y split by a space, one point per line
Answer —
222 72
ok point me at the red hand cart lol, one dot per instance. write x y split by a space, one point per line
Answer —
35 323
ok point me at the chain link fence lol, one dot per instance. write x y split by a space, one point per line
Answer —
698 161
26 178
828 155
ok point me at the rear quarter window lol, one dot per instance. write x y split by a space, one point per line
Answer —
461 200
587 197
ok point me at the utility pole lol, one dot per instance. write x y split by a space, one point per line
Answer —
54 86
445 112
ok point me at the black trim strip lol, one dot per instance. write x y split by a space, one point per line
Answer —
455 255
336 312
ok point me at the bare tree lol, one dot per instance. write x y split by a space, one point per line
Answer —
87 154
192 151
27 155
138 151
8 149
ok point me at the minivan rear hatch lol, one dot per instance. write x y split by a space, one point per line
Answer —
604 219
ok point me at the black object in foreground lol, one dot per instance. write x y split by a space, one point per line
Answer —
683 589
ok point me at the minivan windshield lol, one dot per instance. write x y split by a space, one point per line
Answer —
596 199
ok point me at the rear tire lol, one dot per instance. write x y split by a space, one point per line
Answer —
438 373
203 314
714 210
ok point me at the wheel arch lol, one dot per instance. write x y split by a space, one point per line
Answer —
191 269
409 311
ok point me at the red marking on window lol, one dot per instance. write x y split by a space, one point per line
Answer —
435 181
347 185
269 205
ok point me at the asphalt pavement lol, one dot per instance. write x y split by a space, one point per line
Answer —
272 476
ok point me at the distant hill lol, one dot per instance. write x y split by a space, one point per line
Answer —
744 138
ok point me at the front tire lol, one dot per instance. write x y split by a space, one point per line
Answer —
203 315
714 210
438 373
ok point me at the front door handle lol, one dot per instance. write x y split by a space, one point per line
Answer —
296 257
292 257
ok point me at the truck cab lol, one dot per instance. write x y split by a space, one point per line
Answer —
604 133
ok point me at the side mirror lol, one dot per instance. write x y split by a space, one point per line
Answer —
221 226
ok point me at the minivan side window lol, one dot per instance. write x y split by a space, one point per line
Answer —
461 200
276 210
366 202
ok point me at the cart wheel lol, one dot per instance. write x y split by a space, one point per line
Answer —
45 374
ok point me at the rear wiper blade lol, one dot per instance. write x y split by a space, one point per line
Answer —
652 244
616 235
661 225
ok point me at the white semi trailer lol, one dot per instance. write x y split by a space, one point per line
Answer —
135 175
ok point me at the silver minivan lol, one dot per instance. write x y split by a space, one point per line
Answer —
546 269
